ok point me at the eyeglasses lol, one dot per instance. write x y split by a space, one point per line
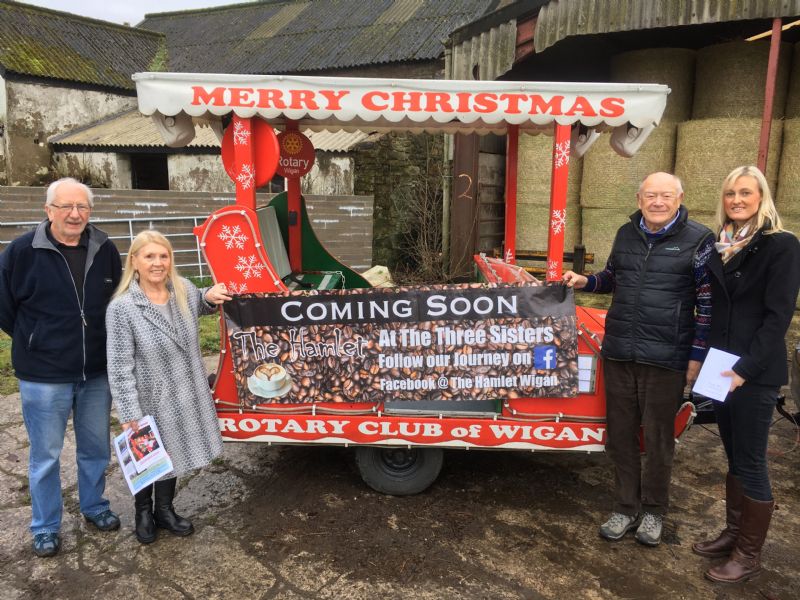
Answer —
668 196
68 208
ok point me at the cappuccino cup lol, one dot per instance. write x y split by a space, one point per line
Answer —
269 377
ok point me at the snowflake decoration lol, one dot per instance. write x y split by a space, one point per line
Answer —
509 257
558 221
246 177
233 236
237 288
241 136
552 269
562 154
249 266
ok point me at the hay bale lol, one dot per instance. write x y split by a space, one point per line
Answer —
670 66
611 181
704 217
730 80
793 96
599 227
533 177
533 195
533 226
709 149
787 197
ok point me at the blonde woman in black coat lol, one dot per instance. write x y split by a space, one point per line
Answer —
755 277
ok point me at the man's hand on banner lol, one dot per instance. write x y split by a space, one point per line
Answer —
572 279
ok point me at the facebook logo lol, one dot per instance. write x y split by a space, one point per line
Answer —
544 357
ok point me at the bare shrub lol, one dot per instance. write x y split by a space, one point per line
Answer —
417 208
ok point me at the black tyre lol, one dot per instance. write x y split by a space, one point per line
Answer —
399 471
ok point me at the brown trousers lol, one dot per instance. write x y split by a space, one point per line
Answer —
647 396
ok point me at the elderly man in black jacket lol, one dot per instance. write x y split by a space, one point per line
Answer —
55 285
655 341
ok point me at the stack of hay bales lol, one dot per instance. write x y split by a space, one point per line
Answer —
709 149
726 121
731 79
787 198
533 195
610 182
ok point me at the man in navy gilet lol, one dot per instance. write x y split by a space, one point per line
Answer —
655 341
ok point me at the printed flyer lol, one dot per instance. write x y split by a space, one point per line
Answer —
444 342
141 454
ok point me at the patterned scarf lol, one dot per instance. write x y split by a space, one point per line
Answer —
732 241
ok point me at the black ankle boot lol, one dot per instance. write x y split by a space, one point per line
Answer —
163 511
145 525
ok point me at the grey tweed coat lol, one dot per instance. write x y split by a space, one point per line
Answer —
155 368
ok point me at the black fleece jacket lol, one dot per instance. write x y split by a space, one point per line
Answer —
55 337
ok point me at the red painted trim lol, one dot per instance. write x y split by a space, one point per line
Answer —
295 230
524 43
769 94
558 201
243 156
512 159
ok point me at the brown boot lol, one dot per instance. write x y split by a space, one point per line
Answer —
725 541
745 560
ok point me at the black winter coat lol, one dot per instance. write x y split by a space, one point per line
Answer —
753 298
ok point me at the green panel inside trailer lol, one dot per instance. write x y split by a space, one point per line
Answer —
315 256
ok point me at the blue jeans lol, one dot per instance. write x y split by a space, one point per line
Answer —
45 409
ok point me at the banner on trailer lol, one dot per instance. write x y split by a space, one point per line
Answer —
447 342
420 431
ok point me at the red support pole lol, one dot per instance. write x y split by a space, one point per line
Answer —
245 164
295 231
512 155
769 94
558 202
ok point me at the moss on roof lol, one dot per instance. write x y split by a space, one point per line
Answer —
45 43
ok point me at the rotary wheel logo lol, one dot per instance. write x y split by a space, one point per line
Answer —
292 143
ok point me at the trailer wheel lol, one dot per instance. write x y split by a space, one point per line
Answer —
399 471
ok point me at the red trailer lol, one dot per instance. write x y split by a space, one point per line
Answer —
312 355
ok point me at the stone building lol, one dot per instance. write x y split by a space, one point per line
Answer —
59 72
67 103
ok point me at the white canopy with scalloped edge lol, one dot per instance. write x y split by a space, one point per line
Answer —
450 106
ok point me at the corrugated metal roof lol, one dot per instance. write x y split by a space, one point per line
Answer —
132 129
562 18
492 52
309 35
339 141
46 43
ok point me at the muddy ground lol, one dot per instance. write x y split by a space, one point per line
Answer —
297 522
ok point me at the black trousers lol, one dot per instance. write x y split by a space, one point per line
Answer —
744 420
639 395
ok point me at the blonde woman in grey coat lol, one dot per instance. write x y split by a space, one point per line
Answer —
155 368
